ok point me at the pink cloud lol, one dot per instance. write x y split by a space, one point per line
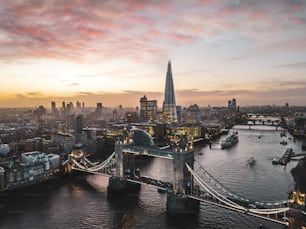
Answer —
180 37
207 2
298 20
60 29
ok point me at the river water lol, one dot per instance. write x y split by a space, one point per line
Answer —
82 202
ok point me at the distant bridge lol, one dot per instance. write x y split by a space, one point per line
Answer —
266 120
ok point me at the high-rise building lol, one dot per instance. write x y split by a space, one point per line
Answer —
53 107
99 109
192 114
65 140
69 107
115 114
78 105
148 109
169 104
232 106
79 123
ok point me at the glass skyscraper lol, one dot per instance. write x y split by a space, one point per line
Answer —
169 105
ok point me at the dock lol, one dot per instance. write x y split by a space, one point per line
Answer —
286 157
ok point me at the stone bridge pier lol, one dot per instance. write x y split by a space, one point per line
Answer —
177 201
118 184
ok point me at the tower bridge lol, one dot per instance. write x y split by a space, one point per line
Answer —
188 188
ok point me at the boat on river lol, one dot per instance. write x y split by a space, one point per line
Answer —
251 161
229 141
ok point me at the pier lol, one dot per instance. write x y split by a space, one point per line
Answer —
287 156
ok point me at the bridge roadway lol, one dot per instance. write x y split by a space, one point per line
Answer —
162 185
149 151
200 195
210 195
152 151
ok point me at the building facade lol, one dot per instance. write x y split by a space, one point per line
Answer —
192 114
148 109
232 106
65 140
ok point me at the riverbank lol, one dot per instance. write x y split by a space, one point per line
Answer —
299 175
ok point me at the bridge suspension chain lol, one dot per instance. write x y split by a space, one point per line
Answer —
100 166
237 196
223 199
214 193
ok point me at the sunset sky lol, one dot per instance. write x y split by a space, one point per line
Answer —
116 51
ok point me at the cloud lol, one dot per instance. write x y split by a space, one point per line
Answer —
140 30
34 94
19 96
73 84
290 83
293 65
86 93
87 76
31 95
61 29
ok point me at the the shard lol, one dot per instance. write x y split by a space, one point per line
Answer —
169 105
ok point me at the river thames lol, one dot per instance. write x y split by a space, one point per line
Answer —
82 202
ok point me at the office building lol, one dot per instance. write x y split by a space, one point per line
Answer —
148 109
232 106
79 123
99 109
53 107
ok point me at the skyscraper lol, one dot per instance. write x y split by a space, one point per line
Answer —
79 123
169 105
53 107
99 109
148 109
232 106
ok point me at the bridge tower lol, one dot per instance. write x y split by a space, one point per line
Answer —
177 201
118 184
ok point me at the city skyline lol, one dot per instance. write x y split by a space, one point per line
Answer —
116 52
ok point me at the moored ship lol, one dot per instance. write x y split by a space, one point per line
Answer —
229 141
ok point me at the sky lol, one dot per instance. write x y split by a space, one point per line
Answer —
115 51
